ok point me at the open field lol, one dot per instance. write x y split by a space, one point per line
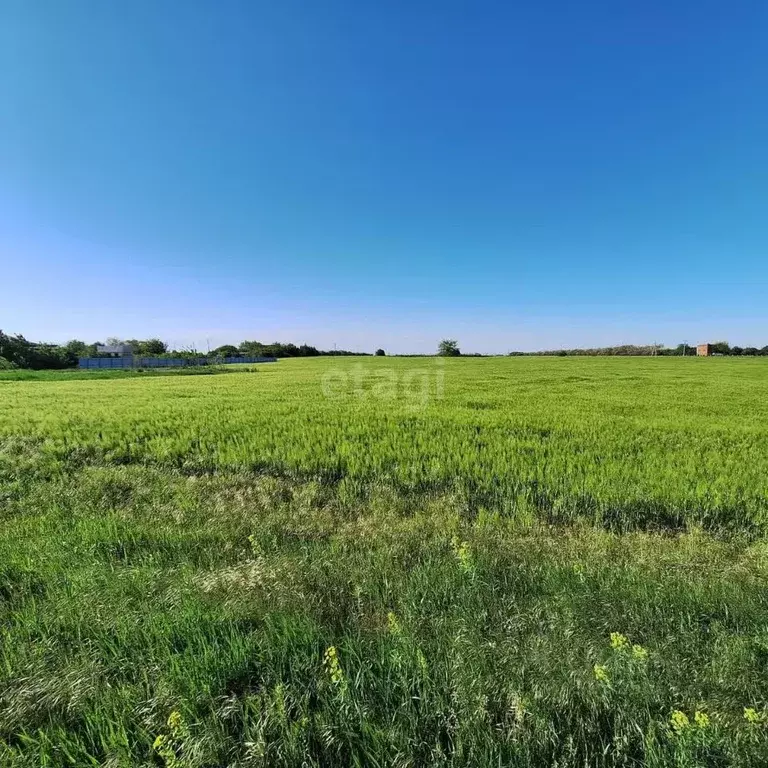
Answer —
342 561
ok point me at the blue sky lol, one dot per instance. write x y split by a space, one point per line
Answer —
514 175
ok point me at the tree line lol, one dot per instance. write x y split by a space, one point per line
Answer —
628 350
277 349
18 352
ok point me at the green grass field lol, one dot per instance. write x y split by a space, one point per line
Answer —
387 562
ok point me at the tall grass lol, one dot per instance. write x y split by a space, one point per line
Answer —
554 563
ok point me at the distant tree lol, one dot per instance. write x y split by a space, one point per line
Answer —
153 347
721 348
252 348
380 353
76 348
13 348
147 347
448 348
764 351
227 350
737 351
751 351
680 349
28 354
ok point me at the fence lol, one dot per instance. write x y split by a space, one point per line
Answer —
166 362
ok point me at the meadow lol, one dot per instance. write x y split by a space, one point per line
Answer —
387 562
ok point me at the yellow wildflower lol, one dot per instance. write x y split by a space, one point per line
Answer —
751 715
618 641
463 554
679 721
639 653
701 719
422 660
331 662
394 624
601 673
175 721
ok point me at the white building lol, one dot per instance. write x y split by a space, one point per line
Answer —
115 350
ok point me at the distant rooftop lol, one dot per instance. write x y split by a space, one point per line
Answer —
121 350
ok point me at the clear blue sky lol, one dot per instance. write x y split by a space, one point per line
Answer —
514 175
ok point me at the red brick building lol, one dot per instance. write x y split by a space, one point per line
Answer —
704 350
